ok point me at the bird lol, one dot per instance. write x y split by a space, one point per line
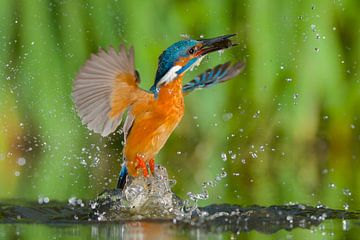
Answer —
107 87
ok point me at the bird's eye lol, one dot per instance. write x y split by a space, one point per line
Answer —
191 50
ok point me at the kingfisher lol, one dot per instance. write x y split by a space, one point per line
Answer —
107 87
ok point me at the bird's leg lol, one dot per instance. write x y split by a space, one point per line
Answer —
152 166
141 165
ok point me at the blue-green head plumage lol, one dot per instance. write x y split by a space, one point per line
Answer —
189 52
170 56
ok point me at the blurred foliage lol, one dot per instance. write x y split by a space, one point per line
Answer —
288 126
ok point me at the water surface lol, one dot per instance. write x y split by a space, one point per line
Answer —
31 220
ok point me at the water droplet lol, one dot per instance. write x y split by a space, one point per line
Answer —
178 153
17 173
223 156
288 79
83 162
345 225
352 126
185 36
80 202
21 161
191 195
253 155
93 205
317 50
223 174
313 27
257 114
322 217
332 185
227 116
346 192
295 96
72 201
262 148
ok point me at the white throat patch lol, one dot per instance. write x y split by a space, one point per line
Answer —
170 75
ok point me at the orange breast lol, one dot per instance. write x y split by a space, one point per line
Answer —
155 120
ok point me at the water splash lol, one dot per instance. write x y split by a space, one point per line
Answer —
142 197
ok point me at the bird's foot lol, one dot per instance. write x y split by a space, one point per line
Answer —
152 166
141 165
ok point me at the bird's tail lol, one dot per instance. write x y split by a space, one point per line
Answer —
122 177
210 77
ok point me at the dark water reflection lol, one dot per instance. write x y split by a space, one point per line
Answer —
220 220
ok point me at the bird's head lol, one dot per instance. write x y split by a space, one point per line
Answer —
185 55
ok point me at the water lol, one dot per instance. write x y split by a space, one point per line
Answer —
142 197
27 220
148 209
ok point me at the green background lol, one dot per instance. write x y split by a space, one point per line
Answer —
289 125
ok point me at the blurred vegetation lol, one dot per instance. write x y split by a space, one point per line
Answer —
289 126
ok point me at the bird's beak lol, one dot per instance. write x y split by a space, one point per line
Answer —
215 44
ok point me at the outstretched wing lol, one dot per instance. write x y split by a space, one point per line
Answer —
105 86
212 76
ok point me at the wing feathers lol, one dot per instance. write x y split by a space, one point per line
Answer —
210 77
107 82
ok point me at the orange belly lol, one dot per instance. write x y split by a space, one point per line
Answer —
154 122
